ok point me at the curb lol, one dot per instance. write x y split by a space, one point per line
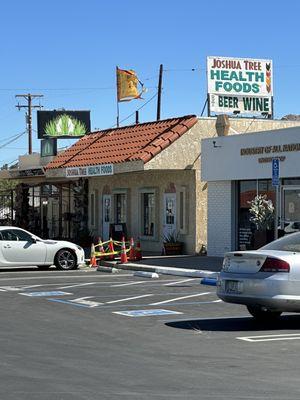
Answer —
194 273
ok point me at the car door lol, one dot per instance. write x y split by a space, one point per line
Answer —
18 248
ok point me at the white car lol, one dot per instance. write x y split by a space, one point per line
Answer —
266 280
21 248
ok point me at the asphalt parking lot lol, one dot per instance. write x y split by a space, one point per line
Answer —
89 335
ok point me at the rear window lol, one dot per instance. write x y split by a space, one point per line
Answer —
290 242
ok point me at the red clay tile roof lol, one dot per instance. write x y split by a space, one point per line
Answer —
129 143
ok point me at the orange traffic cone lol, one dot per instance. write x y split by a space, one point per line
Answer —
131 251
123 252
111 249
138 251
93 260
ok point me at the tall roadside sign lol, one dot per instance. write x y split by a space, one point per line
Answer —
276 183
240 86
275 172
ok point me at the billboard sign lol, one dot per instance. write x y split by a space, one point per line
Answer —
63 124
240 85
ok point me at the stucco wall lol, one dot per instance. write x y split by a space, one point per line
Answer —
185 153
132 184
220 218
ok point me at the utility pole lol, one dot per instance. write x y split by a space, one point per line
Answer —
29 97
159 92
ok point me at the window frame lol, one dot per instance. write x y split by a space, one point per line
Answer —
142 192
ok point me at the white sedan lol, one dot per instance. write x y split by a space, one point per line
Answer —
21 248
266 280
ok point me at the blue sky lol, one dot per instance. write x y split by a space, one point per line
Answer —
68 50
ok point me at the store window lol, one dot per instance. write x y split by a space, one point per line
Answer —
120 208
247 191
148 213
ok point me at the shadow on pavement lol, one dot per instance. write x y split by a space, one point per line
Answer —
286 322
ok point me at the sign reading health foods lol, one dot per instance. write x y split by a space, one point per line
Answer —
92 170
240 85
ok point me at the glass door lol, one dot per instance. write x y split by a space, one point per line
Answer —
290 209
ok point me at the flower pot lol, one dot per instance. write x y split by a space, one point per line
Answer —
171 249
260 239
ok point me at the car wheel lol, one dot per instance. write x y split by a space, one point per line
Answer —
262 314
65 259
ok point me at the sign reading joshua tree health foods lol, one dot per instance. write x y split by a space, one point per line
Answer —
63 124
240 85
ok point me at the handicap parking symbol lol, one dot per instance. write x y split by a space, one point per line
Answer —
146 313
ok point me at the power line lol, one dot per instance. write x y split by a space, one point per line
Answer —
12 140
130 115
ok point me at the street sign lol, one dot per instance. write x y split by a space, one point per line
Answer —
275 172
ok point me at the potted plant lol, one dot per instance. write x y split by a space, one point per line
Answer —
172 246
262 215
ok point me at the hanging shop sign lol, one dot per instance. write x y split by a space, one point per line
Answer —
240 85
31 172
48 147
92 170
63 124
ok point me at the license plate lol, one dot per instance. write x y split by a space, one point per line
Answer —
233 287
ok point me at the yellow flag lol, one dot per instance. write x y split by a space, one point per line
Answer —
127 85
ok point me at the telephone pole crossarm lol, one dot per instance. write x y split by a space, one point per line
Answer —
29 97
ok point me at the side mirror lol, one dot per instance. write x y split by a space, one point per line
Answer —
33 240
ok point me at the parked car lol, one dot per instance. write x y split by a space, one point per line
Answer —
19 247
266 281
292 227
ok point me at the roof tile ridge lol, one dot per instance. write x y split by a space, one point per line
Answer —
145 153
114 129
80 150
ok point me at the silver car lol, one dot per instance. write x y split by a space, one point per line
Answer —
266 280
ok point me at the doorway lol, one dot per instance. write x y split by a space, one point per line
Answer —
290 209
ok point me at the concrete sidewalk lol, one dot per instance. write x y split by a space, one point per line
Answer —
189 262
159 263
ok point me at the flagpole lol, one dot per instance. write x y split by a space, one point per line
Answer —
118 111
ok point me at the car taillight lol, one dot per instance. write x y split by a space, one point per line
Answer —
275 265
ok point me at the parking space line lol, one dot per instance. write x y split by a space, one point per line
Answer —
128 284
177 282
77 285
128 298
270 338
179 298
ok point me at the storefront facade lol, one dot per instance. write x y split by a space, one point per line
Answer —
244 170
143 178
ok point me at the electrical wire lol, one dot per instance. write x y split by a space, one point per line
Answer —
13 140
130 115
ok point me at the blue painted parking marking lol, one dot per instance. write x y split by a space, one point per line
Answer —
70 302
146 313
45 294
209 281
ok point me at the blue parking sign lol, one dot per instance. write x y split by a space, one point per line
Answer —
275 172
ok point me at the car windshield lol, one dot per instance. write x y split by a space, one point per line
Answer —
287 243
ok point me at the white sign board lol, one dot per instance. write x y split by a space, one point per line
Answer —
240 85
92 170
